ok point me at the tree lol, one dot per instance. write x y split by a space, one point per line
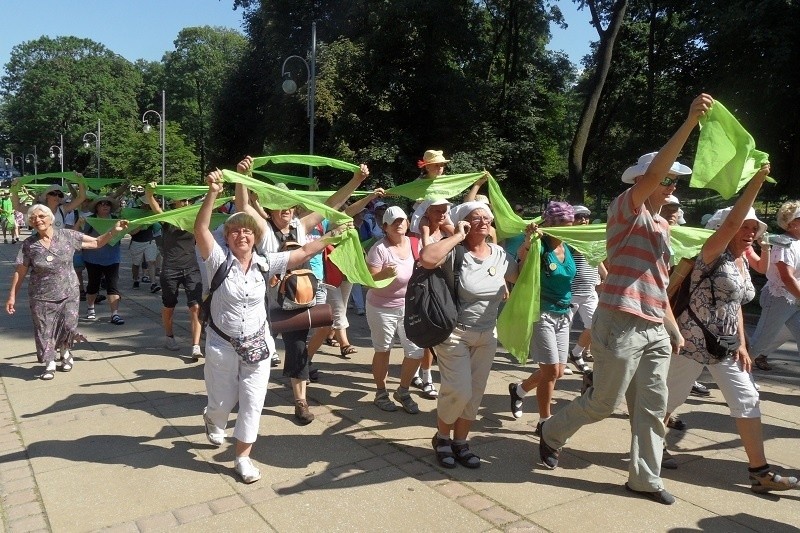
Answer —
204 57
605 51
63 86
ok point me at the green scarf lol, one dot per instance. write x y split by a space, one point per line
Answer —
435 189
348 255
726 156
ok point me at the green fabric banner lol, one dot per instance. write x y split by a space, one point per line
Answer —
274 177
301 159
444 187
726 156
95 184
348 255
180 192
24 180
521 311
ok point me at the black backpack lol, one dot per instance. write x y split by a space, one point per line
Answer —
680 282
432 302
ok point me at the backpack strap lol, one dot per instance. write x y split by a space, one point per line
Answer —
714 267
221 273
458 262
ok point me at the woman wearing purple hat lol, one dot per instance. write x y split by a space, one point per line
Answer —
550 345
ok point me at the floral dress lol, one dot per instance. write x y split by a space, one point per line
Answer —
718 310
52 290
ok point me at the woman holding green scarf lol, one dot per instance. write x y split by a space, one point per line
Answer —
550 346
284 226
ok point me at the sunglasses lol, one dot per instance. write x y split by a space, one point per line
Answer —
581 217
59 194
669 180
104 203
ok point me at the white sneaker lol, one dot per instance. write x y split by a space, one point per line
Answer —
213 434
567 371
171 344
246 470
196 352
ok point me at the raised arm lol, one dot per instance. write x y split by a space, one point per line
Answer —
435 253
202 235
242 197
155 207
93 243
76 200
473 191
719 240
662 162
356 207
338 198
310 249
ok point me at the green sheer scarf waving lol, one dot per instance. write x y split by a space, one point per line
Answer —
183 218
274 177
726 156
95 184
24 180
515 323
300 159
180 192
348 255
435 189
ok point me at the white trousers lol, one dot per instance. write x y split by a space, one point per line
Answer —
230 380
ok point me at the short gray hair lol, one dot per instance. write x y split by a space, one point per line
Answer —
40 207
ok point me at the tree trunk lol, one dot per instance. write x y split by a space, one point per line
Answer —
577 156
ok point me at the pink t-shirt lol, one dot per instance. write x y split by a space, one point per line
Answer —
394 294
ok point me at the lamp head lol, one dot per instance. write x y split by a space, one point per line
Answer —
86 144
146 128
289 86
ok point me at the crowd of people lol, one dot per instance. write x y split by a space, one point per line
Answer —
638 350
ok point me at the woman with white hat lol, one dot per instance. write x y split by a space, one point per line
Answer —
780 298
465 358
720 284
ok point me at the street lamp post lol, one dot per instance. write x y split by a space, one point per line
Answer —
21 160
162 129
290 86
89 135
33 158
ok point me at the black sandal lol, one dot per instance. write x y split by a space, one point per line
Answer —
444 452
465 457
332 342
347 350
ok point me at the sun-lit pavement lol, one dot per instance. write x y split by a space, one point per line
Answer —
119 444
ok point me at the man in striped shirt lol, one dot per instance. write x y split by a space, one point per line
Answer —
634 332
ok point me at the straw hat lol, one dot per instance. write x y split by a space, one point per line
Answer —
431 157
114 203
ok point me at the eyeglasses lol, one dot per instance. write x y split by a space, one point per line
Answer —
55 193
581 217
38 217
247 232
669 180
108 204
478 220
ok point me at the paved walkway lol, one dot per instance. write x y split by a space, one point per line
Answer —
118 444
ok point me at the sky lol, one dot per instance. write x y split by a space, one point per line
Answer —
146 29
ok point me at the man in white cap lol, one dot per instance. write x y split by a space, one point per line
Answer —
634 333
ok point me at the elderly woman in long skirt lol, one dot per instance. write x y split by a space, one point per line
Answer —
53 292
